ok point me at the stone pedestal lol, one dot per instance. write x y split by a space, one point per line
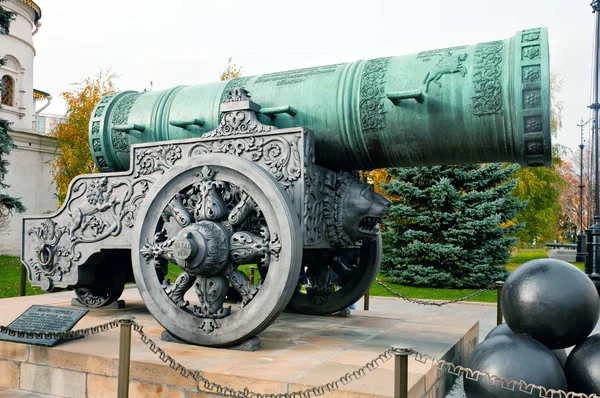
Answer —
297 352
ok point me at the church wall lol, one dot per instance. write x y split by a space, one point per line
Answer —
29 173
30 179
17 48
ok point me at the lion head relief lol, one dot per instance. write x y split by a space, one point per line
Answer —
352 209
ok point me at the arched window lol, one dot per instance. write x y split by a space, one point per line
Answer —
8 90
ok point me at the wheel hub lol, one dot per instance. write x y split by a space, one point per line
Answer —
202 248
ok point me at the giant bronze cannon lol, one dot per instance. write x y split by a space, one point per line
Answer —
263 170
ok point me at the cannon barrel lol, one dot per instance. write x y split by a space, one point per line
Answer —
488 102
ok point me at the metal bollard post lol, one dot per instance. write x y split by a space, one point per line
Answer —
252 269
23 290
124 356
401 370
500 285
366 300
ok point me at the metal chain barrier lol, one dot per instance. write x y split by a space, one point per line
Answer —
375 363
434 303
60 335
484 377
246 392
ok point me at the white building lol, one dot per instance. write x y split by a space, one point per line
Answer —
29 170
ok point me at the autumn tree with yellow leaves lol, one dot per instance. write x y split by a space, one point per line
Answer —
231 71
541 186
73 153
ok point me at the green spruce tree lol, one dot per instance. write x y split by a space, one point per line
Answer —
8 203
452 226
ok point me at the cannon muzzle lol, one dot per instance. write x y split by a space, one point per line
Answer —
488 102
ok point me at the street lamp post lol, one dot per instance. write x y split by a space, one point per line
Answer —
581 249
592 261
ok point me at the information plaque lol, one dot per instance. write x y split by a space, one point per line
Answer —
43 318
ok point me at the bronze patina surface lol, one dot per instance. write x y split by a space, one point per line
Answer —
488 102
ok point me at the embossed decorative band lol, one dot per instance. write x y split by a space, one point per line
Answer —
372 96
487 83
532 78
120 142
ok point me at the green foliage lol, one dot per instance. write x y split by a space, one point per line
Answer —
452 226
73 156
540 187
6 17
8 204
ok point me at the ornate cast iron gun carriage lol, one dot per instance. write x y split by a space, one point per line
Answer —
205 178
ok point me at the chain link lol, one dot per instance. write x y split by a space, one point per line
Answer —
207 385
433 303
60 335
476 375
211 386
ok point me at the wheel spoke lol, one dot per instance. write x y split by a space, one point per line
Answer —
177 290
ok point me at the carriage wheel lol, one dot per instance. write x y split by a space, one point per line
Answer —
336 278
109 281
211 214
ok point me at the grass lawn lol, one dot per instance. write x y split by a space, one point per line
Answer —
523 256
10 280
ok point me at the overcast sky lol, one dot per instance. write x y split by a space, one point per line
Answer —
189 41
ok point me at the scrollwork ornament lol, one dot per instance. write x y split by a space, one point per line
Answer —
241 121
120 140
110 204
487 71
278 155
89 298
314 226
336 185
372 108
51 260
204 200
160 248
211 294
152 160
238 123
232 84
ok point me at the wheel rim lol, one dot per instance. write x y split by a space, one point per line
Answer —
283 258
330 298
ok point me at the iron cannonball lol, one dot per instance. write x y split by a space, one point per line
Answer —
503 329
561 355
583 367
552 301
513 357
499 330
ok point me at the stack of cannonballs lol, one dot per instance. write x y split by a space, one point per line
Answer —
548 305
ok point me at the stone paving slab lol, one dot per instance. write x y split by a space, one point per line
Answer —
297 352
11 393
